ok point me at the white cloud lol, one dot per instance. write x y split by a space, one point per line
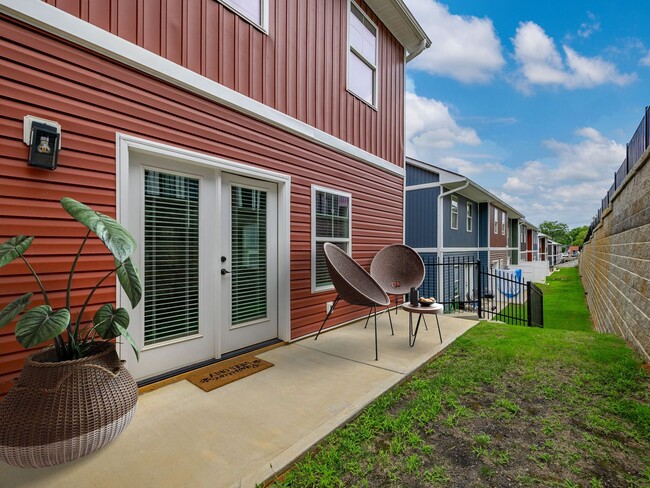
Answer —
569 186
542 64
463 47
514 183
645 60
590 160
429 125
588 28
469 168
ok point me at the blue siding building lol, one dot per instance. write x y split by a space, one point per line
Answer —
447 220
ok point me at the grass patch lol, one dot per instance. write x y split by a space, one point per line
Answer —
565 306
503 406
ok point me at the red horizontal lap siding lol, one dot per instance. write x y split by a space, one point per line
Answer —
298 68
93 98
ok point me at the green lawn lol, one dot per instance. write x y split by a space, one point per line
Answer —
503 406
564 303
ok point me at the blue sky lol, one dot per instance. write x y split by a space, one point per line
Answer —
534 101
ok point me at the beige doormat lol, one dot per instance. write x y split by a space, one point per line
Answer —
225 372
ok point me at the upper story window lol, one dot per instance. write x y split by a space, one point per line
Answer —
470 211
362 56
454 212
255 11
331 221
496 221
503 223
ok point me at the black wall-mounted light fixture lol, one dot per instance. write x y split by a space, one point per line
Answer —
44 140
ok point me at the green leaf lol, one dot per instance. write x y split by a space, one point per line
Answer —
129 278
129 339
14 247
107 318
12 310
117 239
41 324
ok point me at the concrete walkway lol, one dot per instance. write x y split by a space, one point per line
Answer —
246 432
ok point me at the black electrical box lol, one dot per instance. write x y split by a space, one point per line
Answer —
44 147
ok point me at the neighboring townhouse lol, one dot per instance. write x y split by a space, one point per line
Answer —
499 229
542 247
451 219
535 257
231 137
528 242
554 253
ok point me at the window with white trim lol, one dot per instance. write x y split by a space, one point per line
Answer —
253 11
503 223
454 212
331 221
470 211
496 221
362 55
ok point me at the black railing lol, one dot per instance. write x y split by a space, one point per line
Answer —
503 297
634 151
456 278
461 284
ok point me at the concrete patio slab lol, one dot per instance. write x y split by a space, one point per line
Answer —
246 432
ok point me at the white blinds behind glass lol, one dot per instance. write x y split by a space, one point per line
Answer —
171 248
248 207
332 225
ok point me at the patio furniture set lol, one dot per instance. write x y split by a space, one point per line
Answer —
395 270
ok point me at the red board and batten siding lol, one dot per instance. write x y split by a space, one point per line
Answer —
298 68
93 98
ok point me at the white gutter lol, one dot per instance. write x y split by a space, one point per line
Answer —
421 47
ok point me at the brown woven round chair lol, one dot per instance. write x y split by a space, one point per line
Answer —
397 268
353 284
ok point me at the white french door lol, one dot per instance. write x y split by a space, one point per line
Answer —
207 254
249 269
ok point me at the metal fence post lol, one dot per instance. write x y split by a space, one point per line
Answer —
529 308
480 290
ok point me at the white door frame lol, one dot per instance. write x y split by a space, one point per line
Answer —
127 145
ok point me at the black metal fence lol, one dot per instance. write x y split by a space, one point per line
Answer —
456 278
461 284
634 151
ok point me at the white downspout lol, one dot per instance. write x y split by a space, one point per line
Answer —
440 240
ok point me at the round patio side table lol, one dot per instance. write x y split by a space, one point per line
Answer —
434 309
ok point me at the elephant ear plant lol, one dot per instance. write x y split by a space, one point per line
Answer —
73 338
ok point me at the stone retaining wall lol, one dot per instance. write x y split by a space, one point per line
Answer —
615 263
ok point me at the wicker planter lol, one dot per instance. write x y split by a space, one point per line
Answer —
60 411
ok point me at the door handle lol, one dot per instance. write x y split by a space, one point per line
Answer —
224 271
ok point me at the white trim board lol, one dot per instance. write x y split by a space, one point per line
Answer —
127 145
54 21
464 249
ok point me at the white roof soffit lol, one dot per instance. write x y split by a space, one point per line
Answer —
396 16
